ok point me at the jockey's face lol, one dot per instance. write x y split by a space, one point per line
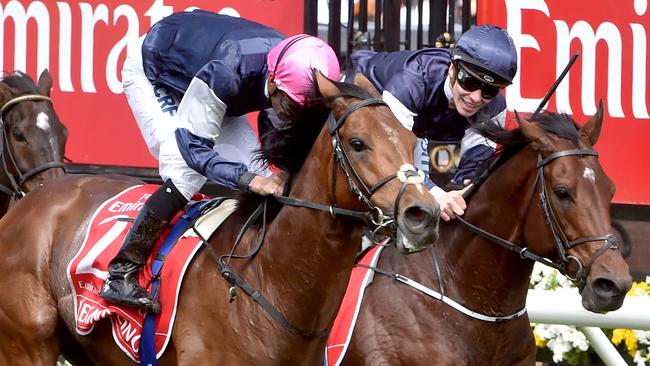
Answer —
284 106
466 103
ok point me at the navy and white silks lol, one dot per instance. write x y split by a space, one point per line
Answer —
190 81
416 86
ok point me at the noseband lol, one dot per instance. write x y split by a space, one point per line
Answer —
562 243
15 190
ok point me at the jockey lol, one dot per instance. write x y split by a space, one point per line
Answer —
438 94
189 82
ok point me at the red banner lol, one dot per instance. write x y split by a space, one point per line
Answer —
612 39
82 43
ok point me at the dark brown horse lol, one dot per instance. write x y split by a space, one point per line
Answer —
548 194
33 139
302 267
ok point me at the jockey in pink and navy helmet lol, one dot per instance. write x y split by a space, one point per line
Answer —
190 83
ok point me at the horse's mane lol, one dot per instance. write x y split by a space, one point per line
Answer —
512 141
19 81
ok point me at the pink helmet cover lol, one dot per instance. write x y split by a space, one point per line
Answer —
299 55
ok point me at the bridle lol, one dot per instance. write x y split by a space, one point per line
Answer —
374 217
560 239
15 189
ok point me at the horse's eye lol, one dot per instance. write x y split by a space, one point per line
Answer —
562 193
18 135
357 144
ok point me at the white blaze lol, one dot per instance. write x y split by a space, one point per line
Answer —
43 122
589 175
392 133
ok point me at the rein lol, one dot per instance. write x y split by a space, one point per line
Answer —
374 217
562 243
15 190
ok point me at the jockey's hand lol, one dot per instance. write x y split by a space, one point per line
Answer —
451 203
273 184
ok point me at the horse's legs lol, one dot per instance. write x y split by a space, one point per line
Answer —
28 321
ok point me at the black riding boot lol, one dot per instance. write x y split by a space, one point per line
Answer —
121 286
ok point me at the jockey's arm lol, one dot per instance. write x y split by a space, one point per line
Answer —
451 203
475 150
201 113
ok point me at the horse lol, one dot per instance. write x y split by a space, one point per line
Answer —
545 198
33 138
351 172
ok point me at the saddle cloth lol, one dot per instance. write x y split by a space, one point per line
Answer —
88 270
341 333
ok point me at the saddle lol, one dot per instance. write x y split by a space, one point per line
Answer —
175 249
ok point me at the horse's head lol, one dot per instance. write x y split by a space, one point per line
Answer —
374 159
33 138
574 199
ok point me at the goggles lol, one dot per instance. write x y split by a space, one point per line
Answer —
471 83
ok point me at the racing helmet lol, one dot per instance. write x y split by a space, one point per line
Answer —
292 61
488 52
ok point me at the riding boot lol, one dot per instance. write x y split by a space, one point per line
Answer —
121 286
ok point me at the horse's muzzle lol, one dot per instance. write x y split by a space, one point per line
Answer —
417 227
603 294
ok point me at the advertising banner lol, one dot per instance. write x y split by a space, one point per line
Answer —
83 45
612 38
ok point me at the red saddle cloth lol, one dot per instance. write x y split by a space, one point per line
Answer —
341 333
88 270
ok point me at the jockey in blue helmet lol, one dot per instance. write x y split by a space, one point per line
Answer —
438 94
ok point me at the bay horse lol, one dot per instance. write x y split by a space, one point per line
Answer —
33 138
545 198
350 173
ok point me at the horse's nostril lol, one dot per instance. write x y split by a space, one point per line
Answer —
606 287
417 216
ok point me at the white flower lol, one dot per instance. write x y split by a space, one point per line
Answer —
638 359
561 339
643 337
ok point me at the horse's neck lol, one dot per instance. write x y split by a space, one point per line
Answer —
308 254
481 273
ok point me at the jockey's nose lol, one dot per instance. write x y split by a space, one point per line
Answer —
476 96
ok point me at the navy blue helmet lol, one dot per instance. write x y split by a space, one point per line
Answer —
489 52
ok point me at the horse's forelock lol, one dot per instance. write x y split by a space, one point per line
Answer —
559 124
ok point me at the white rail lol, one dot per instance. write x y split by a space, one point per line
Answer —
565 307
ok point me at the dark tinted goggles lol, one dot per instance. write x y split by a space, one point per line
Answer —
471 83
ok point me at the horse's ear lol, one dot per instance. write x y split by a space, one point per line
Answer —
328 90
325 86
535 135
591 129
45 83
366 85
